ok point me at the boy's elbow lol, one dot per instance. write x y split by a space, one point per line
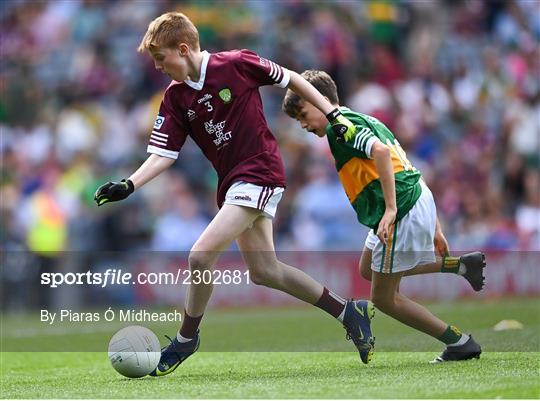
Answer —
293 80
380 150
296 81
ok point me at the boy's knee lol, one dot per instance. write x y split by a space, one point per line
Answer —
266 275
198 260
258 277
365 264
365 273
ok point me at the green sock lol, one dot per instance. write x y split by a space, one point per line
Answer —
450 264
451 335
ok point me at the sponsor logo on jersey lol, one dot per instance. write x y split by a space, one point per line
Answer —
225 95
242 197
159 122
262 61
206 97
191 115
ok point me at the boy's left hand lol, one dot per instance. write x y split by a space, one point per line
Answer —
388 219
342 127
113 191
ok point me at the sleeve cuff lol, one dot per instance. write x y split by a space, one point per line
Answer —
162 152
285 80
369 144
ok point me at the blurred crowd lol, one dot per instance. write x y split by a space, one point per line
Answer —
458 82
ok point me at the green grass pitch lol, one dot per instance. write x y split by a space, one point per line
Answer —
278 366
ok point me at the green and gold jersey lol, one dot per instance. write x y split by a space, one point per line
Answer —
359 176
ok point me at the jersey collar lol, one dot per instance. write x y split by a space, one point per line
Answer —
199 85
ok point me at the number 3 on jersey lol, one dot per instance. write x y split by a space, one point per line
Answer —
208 106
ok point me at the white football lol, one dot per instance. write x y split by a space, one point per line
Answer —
134 351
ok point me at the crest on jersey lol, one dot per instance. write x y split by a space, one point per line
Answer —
159 122
225 95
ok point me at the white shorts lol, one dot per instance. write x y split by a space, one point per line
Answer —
265 199
410 242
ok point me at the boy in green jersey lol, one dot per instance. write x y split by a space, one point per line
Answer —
389 195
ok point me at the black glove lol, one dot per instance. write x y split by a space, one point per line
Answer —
113 191
342 127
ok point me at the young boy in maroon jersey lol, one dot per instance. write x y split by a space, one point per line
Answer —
214 99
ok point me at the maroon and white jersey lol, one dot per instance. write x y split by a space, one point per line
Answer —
223 113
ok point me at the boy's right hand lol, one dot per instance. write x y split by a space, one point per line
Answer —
342 127
385 225
441 244
113 191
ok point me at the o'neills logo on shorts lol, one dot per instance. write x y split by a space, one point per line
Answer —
242 197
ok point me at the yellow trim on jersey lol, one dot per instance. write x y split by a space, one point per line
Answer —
357 173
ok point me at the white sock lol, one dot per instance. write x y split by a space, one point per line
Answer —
182 339
462 269
342 314
464 338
